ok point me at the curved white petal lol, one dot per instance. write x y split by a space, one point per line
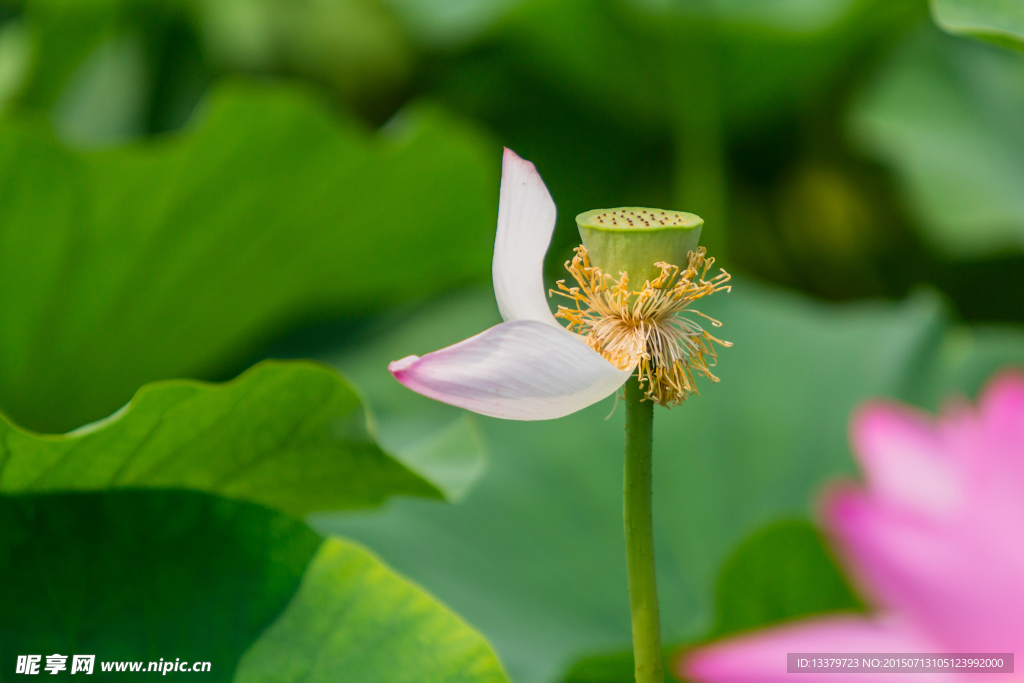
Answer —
520 370
526 219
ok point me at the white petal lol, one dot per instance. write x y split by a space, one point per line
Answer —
520 370
526 219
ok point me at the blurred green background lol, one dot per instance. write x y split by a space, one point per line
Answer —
188 187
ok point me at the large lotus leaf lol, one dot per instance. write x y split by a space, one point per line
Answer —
178 257
780 573
945 115
144 576
533 555
353 619
999 21
133 575
966 360
450 456
292 436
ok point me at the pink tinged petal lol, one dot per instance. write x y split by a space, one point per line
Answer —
526 219
958 581
905 460
761 656
1002 424
996 482
521 370
1002 401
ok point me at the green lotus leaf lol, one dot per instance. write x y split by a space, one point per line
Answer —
181 256
353 619
184 577
944 115
998 21
289 435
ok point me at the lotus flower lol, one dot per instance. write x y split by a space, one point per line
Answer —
935 540
530 367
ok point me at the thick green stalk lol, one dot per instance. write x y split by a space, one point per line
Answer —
636 513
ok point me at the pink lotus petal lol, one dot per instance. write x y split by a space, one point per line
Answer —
937 539
761 656
956 580
1002 402
904 459
520 370
1001 441
526 219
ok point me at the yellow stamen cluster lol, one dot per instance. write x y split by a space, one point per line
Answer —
645 327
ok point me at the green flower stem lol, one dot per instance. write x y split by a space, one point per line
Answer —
636 514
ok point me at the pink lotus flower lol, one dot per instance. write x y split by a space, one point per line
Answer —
935 540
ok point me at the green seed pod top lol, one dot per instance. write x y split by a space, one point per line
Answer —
633 239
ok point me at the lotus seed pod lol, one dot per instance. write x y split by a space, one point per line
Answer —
633 239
